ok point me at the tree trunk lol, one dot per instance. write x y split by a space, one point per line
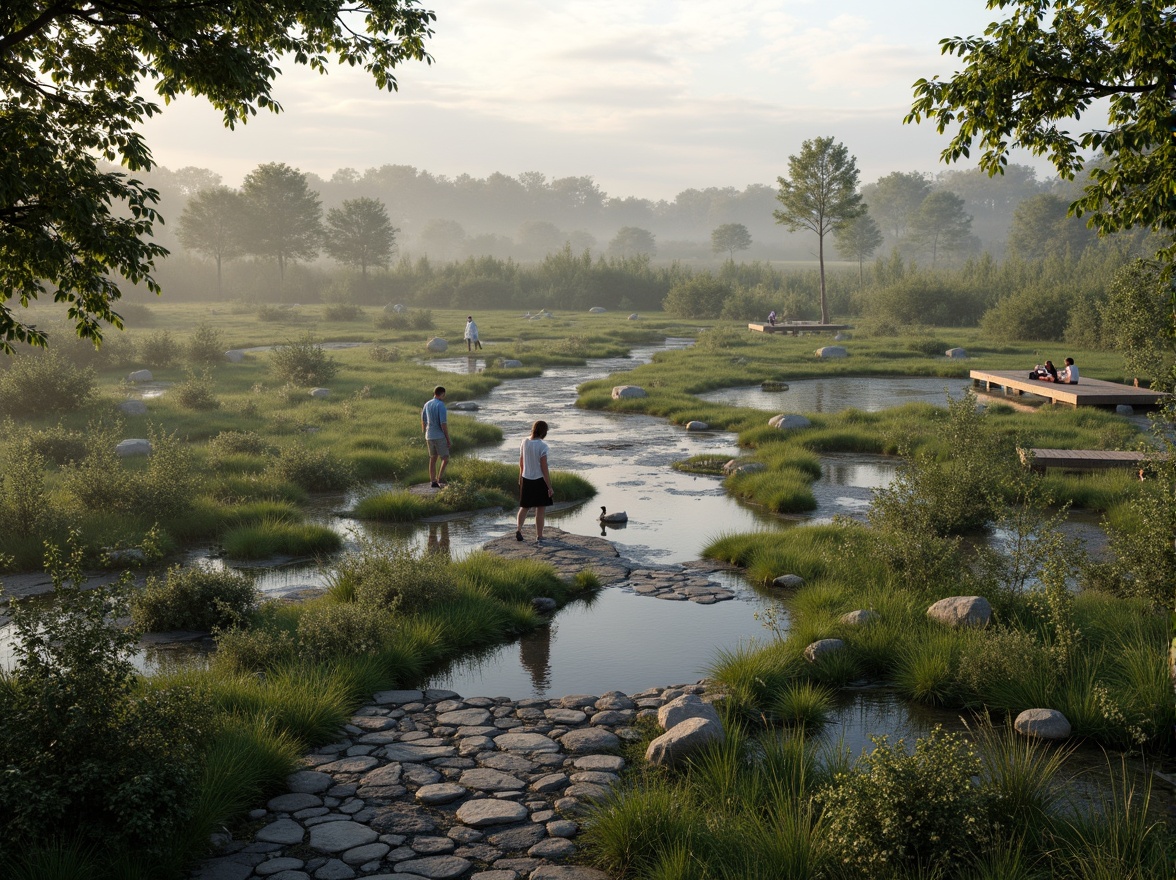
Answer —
821 257
219 292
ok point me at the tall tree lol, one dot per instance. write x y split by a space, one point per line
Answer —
285 217
1048 63
212 225
633 241
360 234
730 237
74 80
442 239
895 198
1041 227
942 224
857 239
819 194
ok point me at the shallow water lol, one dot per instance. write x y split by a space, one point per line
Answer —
869 394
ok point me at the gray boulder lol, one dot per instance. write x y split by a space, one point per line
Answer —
1124 409
858 618
956 353
682 740
597 310
133 408
437 344
788 581
821 648
829 352
140 376
686 706
396 309
509 363
1043 724
694 425
962 611
543 605
633 318
133 447
624 392
320 392
740 466
789 421
234 356
464 406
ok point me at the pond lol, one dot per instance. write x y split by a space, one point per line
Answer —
833 394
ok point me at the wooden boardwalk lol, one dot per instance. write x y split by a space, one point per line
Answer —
795 328
1082 459
1088 392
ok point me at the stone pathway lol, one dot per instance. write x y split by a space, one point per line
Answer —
428 785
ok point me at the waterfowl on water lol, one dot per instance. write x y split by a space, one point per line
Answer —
619 517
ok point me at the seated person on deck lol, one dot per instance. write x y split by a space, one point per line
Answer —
1068 376
1045 372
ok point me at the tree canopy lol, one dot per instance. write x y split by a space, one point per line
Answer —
72 85
730 237
285 216
1050 62
211 225
820 194
360 234
632 241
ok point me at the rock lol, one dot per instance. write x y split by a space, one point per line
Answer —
625 392
490 811
397 697
464 406
139 408
1124 409
831 351
544 605
309 781
956 353
597 310
842 337
292 802
567 872
334 869
525 743
397 309
509 363
320 393
234 356
284 831
126 556
789 421
788 581
555 848
587 740
858 618
682 740
434 867
437 344
773 385
741 466
633 317
273 866
821 647
140 376
133 447
697 426
1043 724
686 706
335 837
962 611
472 717
487 779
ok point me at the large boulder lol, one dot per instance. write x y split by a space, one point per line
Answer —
694 425
1125 409
743 466
140 376
832 351
788 581
821 648
682 740
962 611
1043 724
624 392
128 448
686 706
956 353
789 421
133 408
437 344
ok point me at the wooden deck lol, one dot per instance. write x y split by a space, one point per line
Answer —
795 328
1082 459
1088 392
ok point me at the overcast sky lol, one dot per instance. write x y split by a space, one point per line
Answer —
649 97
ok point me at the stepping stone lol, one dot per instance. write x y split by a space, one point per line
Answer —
589 739
485 779
335 837
525 742
283 831
440 793
490 811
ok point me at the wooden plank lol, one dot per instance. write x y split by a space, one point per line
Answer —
1083 459
796 327
1088 392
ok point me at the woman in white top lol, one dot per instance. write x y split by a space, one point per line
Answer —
1069 376
535 489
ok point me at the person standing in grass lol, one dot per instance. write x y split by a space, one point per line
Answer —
471 335
535 489
435 424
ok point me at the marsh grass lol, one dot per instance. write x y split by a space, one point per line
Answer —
279 537
803 704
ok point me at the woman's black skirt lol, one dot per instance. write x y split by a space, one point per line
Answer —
533 493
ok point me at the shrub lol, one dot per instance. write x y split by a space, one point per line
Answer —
897 810
385 577
194 598
342 312
158 349
196 392
393 321
58 444
85 753
24 505
205 348
382 355
420 319
37 383
253 650
699 297
237 443
303 363
342 629
316 470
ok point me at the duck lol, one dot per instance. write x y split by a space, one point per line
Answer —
618 517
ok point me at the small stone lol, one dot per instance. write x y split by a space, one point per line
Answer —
788 581
369 852
555 848
440 793
490 811
822 647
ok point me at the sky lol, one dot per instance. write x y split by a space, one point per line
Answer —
648 97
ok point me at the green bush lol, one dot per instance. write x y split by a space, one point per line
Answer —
205 348
328 630
303 362
197 392
383 355
58 444
194 598
342 312
84 752
158 349
43 382
421 319
254 650
381 576
237 443
25 510
918 810
315 470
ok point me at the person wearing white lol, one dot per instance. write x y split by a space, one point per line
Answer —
471 335
1069 375
535 488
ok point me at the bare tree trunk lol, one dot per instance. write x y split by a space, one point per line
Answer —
821 255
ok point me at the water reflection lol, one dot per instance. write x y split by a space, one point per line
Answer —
837 393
